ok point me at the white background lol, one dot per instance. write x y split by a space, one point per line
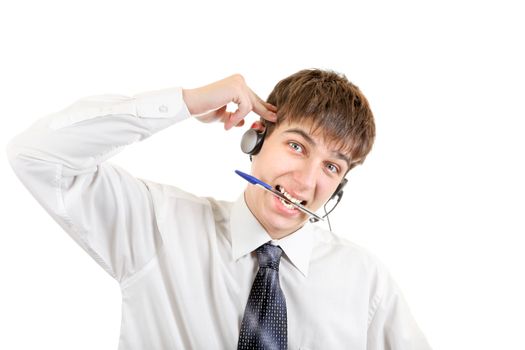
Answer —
440 200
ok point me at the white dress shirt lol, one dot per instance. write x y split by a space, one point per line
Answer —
186 264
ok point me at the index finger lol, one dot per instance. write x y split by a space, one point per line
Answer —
264 109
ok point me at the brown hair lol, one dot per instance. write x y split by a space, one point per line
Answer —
330 102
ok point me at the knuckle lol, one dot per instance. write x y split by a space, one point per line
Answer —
238 77
238 83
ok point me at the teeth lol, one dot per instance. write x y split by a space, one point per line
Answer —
293 200
287 205
289 197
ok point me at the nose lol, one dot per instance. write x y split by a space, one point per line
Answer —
305 176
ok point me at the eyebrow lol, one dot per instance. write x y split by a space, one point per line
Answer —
312 143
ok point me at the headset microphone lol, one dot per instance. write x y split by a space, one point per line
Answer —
338 194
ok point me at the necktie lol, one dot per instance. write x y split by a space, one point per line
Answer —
264 323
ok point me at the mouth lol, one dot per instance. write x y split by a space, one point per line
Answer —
290 198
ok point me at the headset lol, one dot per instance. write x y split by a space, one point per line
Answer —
251 144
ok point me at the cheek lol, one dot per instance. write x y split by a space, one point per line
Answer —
325 191
270 164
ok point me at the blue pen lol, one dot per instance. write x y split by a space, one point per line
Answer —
256 181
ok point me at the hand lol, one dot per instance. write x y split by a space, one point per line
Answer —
208 103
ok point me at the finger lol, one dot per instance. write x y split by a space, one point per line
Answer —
267 105
270 107
257 125
241 123
243 108
264 109
266 113
234 119
213 116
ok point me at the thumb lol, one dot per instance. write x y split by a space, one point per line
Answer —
215 115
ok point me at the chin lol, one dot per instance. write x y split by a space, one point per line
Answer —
281 220
276 218
279 229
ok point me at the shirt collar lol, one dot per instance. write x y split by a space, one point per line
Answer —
247 234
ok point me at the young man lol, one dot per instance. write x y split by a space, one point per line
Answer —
197 273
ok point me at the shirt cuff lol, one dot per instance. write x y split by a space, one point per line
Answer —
165 103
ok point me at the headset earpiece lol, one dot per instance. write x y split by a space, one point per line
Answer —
252 141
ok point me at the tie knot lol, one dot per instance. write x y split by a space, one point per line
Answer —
269 256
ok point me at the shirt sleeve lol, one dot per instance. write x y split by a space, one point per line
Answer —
393 326
61 160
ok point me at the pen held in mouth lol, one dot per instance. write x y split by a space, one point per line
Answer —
255 181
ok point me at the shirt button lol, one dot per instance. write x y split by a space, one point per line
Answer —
163 109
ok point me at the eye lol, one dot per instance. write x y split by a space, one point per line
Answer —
295 146
332 168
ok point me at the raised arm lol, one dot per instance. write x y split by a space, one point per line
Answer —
61 160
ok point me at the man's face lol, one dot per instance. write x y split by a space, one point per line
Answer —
295 161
